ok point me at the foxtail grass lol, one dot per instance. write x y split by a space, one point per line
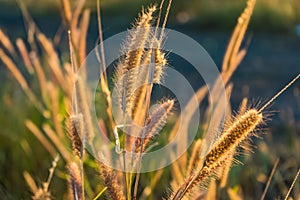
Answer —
231 137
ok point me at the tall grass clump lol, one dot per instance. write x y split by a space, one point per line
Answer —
66 128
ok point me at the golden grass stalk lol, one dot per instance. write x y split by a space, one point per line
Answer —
31 27
83 27
292 185
216 119
53 60
76 12
128 69
56 116
233 55
11 66
40 75
230 61
184 123
83 108
75 182
25 55
212 191
5 41
66 10
14 70
231 137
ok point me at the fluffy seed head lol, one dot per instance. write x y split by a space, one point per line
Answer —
234 135
231 138
75 130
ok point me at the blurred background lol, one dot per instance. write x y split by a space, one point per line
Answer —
272 60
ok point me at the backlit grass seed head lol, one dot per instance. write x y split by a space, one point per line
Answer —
155 123
134 49
232 137
160 63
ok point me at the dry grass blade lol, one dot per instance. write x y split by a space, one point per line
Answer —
57 142
56 115
83 27
232 58
30 182
14 70
230 61
74 22
40 75
102 65
53 61
66 10
25 55
292 185
84 109
5 41
41 192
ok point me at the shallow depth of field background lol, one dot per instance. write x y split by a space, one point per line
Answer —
273 59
